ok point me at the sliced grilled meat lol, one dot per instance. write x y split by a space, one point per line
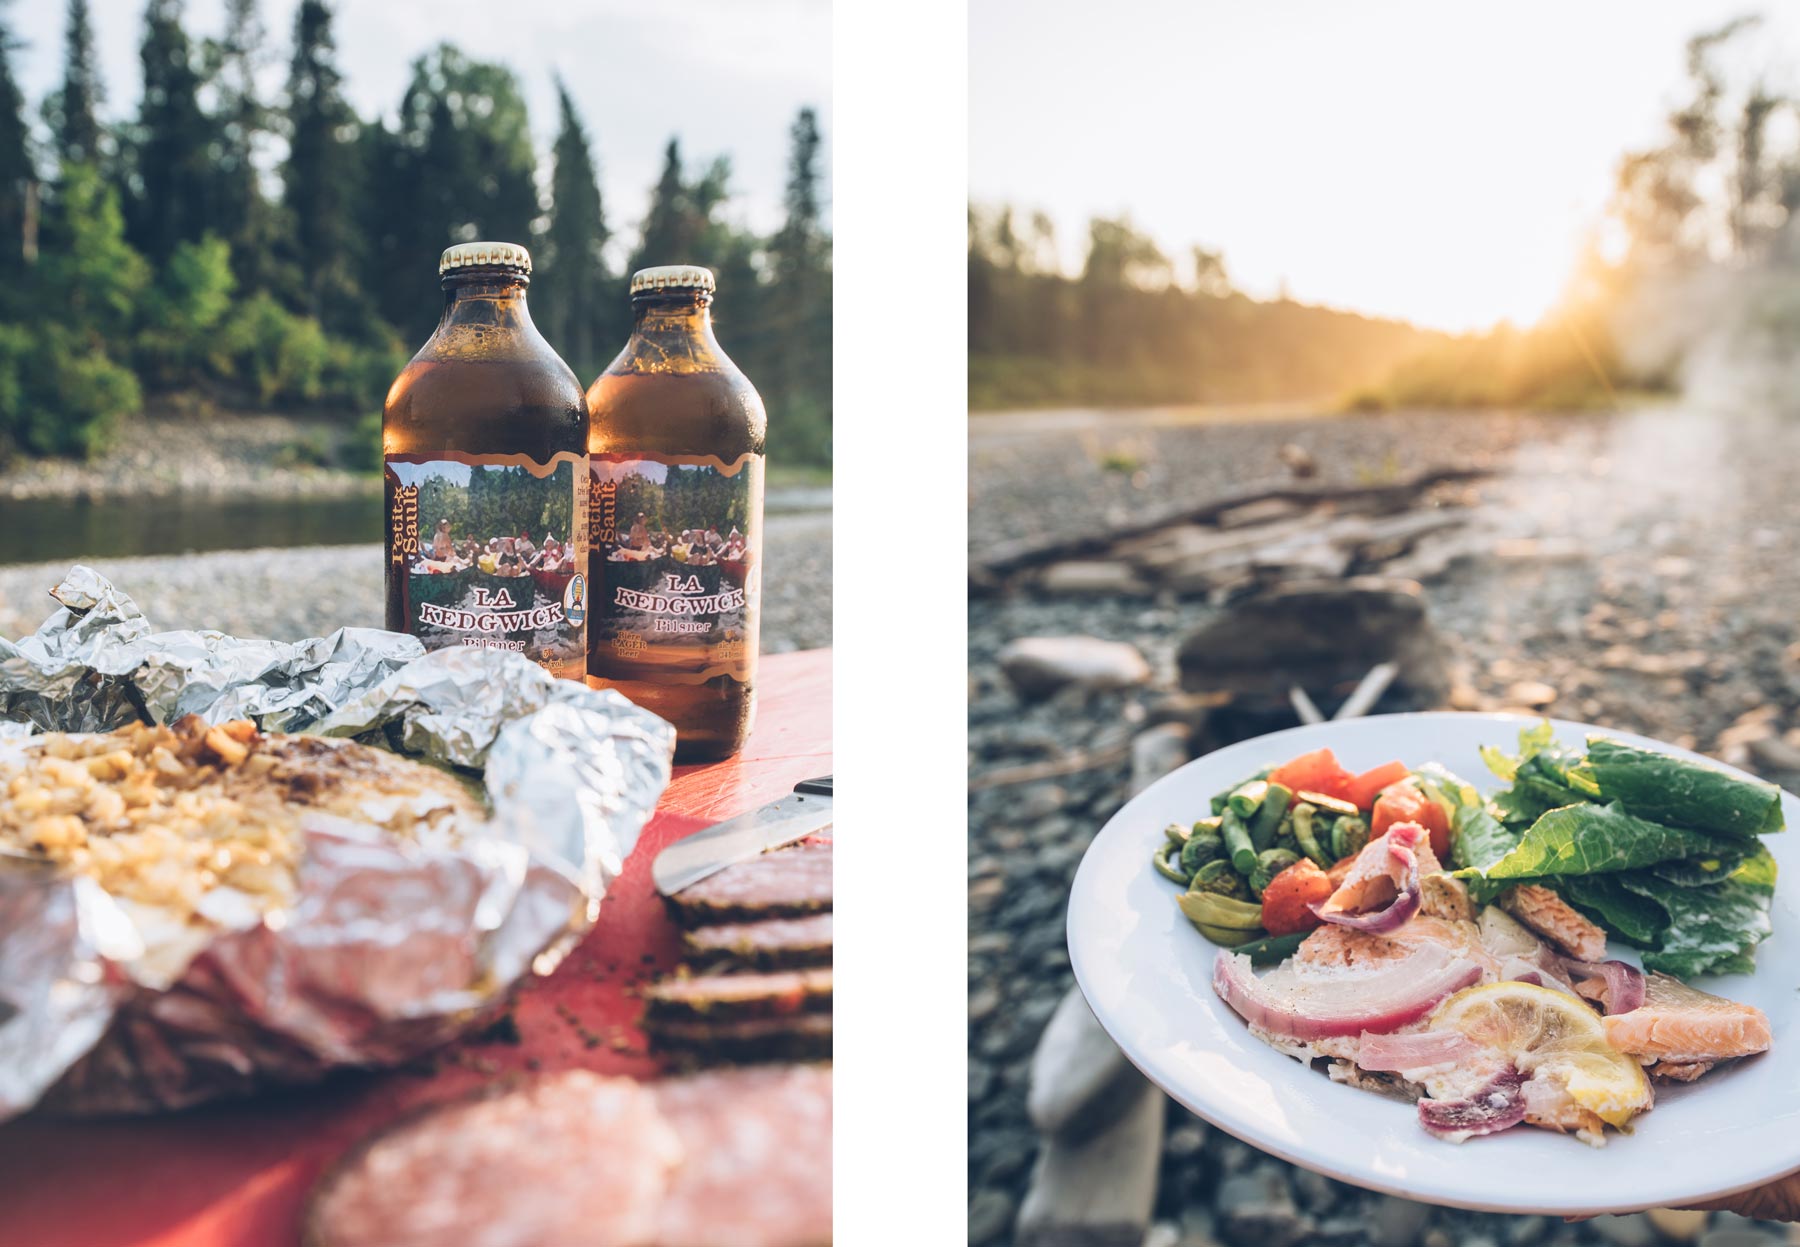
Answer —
799 1037
728 997
772 944
787 883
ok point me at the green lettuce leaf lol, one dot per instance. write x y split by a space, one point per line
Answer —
1478 839
1715 930
1595 839
1685 794
1634 916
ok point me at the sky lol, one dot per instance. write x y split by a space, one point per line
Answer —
726 77
1442 163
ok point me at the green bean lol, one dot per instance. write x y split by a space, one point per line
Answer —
1248 799
1218 801
1237 842
1176 833
1303 833
1167 868
1272 949
1268 815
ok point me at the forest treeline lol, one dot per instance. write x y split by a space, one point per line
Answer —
1130 329
283 252
1697 264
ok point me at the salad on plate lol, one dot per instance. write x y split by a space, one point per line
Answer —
1424 941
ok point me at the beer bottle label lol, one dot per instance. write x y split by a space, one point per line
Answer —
490 551
676 566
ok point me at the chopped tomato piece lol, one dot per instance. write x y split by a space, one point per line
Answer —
1404 803
1287 901
1317 771
1367 786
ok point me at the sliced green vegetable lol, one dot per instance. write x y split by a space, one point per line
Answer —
1331 805
1176 833
1237 842
1211 909
1267 820
1248 799
1219 800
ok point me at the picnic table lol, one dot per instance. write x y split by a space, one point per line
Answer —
236 1175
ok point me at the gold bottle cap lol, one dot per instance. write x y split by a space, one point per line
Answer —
672 277
468 254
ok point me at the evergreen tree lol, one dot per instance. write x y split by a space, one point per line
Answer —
175 185
18 177
319 180
669 232
796 330
243 216
575 299
462 167
72 111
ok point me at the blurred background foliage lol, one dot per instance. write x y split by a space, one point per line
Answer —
1692 271
242 252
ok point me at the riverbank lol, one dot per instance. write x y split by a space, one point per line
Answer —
290 594
216 454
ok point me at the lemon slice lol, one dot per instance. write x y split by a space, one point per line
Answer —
1550 1034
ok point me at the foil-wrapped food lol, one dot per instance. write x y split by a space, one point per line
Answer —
228 863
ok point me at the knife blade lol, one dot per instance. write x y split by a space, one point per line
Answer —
801 813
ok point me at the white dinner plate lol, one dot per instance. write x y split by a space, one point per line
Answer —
1148 976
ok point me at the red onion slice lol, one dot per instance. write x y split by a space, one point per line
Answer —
1308 1007
1390 858
1498 1106
1622 989
1413 1050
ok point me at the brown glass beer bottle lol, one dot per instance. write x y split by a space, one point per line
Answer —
484 435
675 539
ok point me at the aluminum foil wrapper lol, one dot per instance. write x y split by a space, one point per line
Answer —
389 949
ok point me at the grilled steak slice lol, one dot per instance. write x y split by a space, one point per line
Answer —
787 883
772 944
801 1037
577 1160
728 997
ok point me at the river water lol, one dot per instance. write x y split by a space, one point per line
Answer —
41 529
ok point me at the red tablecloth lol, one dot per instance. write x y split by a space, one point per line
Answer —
236 1175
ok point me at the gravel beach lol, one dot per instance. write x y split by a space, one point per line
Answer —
295 593
1636 570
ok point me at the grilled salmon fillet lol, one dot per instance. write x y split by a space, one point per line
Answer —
1556 920
1679 1026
